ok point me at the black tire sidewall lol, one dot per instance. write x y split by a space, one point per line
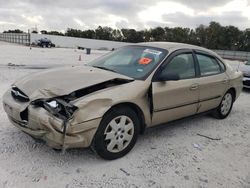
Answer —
98 142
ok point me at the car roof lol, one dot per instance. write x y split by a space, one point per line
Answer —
172 46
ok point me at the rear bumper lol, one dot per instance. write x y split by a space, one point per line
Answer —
43 125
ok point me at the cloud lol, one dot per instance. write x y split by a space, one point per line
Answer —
138 14
154 13
79 22
201 5
33 19
230 18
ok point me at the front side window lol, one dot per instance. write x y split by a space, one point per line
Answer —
208 65
133 61
182 65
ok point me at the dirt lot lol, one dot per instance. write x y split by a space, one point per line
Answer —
167 156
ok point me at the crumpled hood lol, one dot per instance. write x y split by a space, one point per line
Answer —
63 81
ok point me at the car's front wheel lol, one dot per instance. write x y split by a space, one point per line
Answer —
117 133
225 106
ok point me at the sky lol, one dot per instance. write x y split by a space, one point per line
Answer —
138 14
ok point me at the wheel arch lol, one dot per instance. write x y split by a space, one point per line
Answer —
233 90
136 109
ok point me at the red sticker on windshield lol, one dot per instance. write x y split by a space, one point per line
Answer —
145 61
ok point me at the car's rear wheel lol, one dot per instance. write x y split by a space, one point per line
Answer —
117 133
225 106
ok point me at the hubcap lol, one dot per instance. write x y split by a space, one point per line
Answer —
226 104
119 133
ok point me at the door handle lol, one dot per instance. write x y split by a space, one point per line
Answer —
194 87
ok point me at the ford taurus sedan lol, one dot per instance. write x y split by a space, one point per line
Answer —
106 104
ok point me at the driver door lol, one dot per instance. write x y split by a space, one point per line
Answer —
175 99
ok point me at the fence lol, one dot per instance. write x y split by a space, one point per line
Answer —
60 41
237 55
73 42
19 38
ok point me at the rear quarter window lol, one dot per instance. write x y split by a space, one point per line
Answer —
208 65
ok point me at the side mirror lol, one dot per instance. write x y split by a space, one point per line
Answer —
169 77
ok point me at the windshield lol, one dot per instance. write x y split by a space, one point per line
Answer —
134 61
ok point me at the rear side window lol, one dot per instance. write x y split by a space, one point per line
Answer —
208 65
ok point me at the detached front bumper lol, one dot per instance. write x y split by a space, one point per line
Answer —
246 82
39 123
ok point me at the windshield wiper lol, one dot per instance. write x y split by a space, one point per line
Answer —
104 68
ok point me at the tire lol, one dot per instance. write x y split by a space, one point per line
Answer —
225 107
117 133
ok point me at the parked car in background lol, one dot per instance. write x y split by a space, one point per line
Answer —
106 104
245 69
45 43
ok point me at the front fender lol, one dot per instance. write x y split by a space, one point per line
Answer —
95 105
89 110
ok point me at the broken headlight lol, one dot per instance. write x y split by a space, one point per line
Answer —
57 107
53 104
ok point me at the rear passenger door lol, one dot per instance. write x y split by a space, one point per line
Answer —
213 81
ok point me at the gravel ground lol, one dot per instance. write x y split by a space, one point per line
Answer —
166 156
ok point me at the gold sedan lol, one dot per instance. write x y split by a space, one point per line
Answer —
109 102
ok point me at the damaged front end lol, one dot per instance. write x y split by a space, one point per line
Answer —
60 109
59 120
61 106
57 107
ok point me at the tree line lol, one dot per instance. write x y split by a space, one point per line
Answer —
212 36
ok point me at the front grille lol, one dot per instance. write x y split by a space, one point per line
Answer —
18 95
